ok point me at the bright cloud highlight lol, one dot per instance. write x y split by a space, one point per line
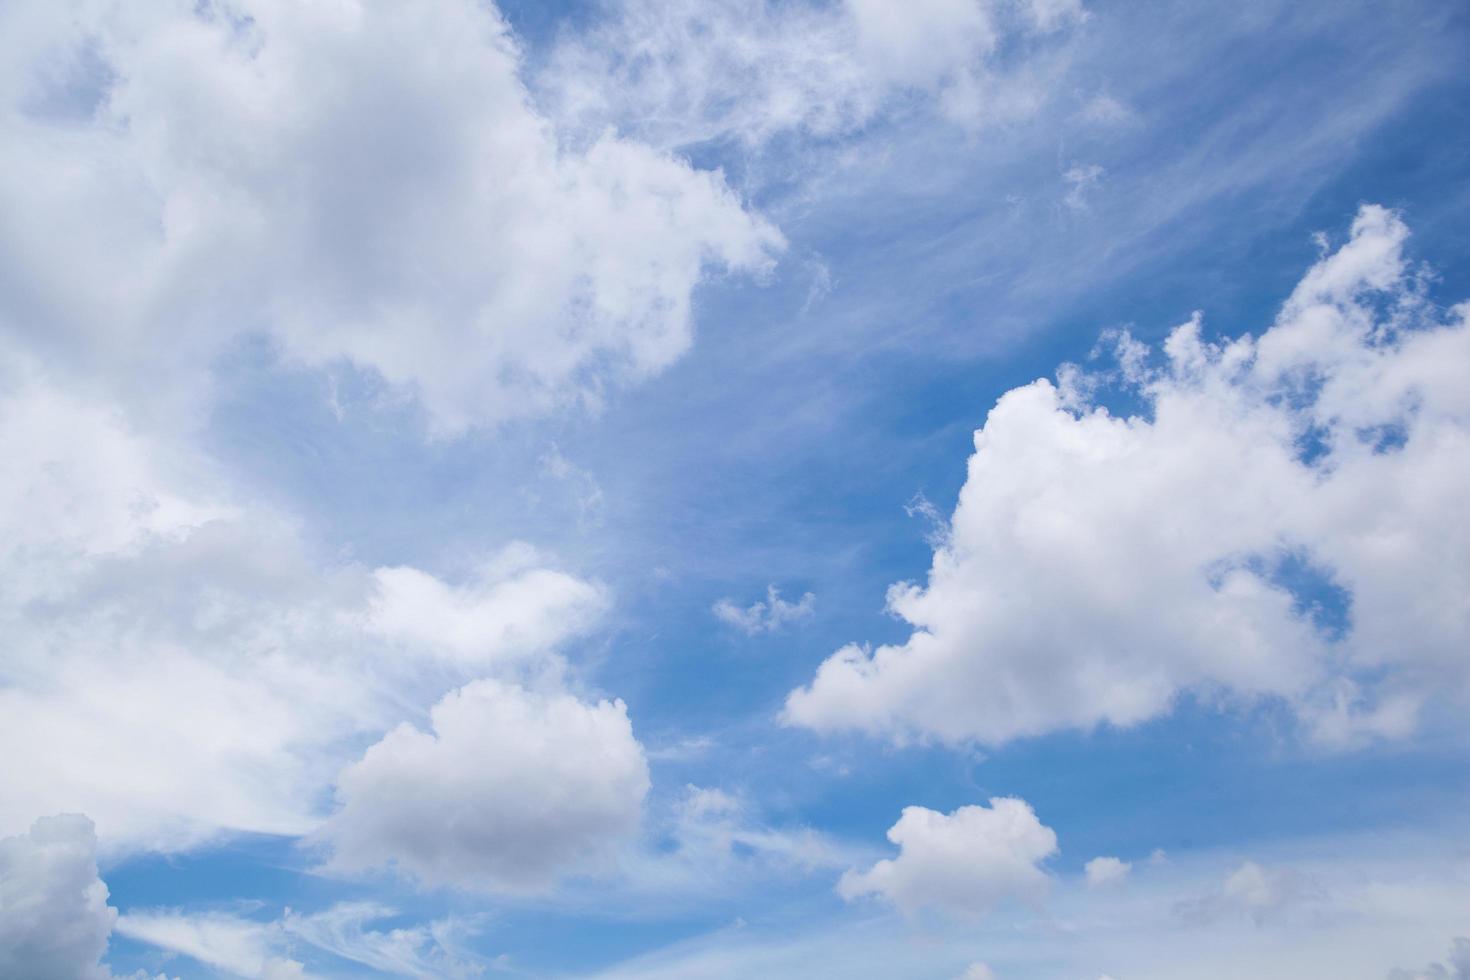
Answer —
1099 566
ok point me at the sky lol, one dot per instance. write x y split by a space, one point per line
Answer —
960 489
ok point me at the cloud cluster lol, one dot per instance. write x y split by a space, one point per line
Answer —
963 863
357 182
54 916
180 663
753 70
1280 519
510 789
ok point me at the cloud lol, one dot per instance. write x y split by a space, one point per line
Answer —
977 971
964 863
1456 968
257 949
1279 520
1384 891
751 71
713 828
434 949
509 790
54 916
766 616
1105 871
510 612
356 183
1081 178
180 663
237 946
1263 894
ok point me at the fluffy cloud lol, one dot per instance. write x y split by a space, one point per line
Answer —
179 663
766 616
1104 871
1098 566
963 863
752 70
356 181
509 790
54 917
515 609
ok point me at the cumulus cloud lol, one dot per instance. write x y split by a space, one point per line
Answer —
54 916
1104 871
179 663
1279 520
753 70
963 863
509 790
765 616
357 182
514 608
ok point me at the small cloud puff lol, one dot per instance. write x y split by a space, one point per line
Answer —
1104 871
766 616
963 863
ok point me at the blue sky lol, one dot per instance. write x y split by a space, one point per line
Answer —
565 490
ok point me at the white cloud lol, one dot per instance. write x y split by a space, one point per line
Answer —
765 616
355 181
1104 871
258 949
964 863
511 789
752 70
1386 893
712 828
1098 566
509 613
54 916
238 946
179 664
977 971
